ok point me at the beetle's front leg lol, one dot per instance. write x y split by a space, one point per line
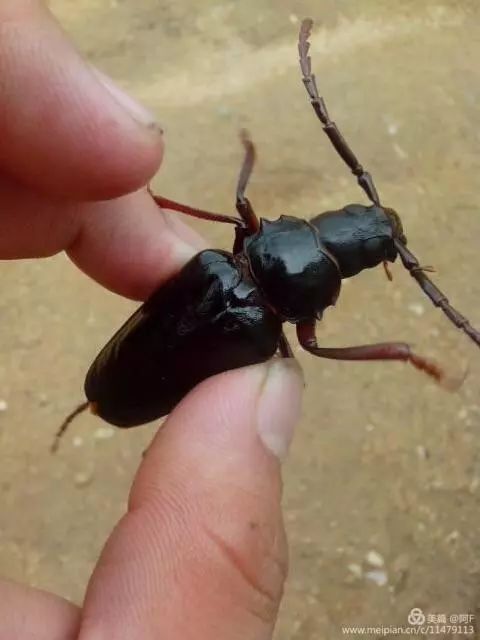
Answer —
242 203
284 347
165 203
241 232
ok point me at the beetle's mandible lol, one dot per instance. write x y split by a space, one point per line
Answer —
226 310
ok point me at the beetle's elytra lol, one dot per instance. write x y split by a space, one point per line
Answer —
226 310
209 318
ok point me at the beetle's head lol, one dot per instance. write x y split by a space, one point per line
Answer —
360 237
396 223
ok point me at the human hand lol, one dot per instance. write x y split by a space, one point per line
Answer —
201 551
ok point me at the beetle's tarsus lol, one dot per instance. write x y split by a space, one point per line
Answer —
388 273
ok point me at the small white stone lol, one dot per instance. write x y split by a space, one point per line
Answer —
378 577
355 569
416 308
103 433
77 441
474 484
293 18
43 399
375 559
392 128
401 153
82 478
3 405
422 452
452 537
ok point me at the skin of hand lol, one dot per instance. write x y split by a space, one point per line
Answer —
201 551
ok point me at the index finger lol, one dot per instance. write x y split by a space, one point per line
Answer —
65 129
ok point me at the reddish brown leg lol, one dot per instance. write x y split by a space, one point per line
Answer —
243 205
382 351
165 203
251 224
284 347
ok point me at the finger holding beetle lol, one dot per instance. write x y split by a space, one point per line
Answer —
76 153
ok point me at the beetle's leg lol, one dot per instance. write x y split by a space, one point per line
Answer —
438 298
364 179
386 268
165 203
382 351
243 205
284 347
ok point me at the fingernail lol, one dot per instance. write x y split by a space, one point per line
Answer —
280 405
137 111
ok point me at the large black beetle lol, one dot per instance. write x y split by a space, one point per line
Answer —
225 310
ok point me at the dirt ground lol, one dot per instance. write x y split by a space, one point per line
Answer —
382 489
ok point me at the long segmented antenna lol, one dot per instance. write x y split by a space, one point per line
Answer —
65 424
431 290
364 179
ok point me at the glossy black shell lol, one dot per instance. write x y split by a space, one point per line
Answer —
208 319
295 271
359 237
222 311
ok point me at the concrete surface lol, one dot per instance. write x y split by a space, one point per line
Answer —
383 460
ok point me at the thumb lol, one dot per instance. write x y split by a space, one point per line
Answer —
201 553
